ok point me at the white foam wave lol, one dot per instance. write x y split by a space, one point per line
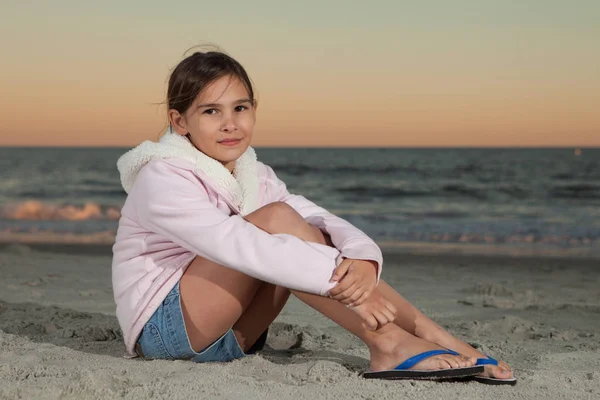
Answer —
39 211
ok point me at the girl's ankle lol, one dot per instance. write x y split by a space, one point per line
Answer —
435 334
386 339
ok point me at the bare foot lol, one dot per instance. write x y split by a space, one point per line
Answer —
394 347
443 338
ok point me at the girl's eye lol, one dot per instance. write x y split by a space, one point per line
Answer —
241 108
210 111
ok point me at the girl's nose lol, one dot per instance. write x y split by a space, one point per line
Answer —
229 128
228 125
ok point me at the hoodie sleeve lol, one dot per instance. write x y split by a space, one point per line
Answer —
349 240
172 202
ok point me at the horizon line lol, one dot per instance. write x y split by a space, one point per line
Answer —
592 147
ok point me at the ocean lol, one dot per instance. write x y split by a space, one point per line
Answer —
542 199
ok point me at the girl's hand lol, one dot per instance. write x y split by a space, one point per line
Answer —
357 280
376 311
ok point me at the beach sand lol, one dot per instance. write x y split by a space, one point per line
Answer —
59 337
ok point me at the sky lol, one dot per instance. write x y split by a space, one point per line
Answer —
327 73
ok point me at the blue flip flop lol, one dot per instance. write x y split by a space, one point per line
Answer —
403 370
492 381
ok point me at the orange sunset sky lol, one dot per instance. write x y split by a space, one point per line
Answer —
328 73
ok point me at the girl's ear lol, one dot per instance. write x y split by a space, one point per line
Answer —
177 122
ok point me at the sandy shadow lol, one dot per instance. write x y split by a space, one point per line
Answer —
97 333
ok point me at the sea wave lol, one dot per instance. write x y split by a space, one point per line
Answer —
38 211
301 169
384 192
50 237
449 190
576 191
463 243
54 193
511 239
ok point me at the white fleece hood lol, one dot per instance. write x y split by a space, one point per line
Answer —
242 185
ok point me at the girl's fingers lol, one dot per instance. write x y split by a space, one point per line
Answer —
363 297
380 317
392 308
370 322
351 300
341 270
389 315
345 296
341 287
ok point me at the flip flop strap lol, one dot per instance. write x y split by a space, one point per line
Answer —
486 361
414 360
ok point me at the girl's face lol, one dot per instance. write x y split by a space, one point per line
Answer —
220 120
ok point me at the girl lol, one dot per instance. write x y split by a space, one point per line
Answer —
211 244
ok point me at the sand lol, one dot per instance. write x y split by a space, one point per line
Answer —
59 337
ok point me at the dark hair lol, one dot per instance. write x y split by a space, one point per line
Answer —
197 71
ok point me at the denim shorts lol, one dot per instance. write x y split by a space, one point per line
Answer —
164 337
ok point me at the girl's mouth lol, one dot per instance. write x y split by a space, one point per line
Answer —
230 142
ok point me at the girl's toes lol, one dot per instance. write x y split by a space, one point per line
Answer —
504 365
501 373
456 361
452 361
445 362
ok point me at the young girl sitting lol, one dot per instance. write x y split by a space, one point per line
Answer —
211 244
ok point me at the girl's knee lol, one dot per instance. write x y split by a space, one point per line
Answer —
280 208
276 217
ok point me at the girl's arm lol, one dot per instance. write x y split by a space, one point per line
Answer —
349 240
172 203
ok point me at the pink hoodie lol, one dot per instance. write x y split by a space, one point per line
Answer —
182 203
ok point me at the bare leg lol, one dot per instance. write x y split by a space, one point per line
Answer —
215 298
225 297
416 323
388 345
259 315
